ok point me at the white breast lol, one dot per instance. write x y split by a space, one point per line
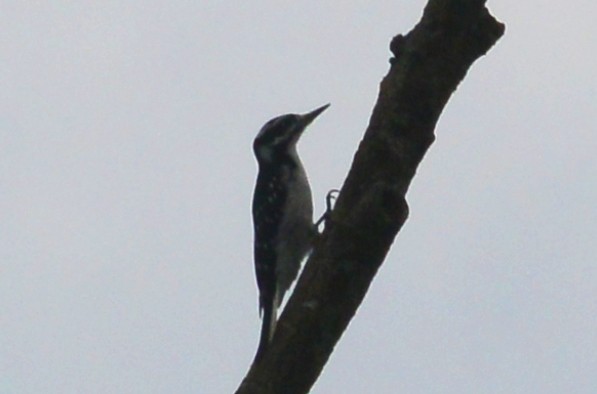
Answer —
296 229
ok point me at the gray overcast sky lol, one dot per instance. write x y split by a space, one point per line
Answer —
126 176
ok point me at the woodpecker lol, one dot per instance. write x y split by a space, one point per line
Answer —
282 214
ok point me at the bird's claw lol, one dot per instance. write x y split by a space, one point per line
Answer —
329 198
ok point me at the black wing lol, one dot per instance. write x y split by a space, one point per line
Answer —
269 198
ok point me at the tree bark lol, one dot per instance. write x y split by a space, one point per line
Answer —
428 64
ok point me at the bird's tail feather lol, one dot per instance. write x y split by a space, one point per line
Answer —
268 326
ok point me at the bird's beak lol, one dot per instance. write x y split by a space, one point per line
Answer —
310 116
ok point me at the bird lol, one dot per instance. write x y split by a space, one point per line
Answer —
282 211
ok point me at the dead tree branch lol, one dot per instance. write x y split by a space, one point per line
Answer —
428 64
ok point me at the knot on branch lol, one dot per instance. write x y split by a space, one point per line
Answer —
396 46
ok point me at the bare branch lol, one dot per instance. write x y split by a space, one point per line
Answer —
428 64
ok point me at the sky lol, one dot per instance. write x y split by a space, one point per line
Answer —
126 177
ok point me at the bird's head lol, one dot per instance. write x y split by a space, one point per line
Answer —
280 135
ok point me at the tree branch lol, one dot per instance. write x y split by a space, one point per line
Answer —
428 64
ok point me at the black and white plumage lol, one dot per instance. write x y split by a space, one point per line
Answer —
282 214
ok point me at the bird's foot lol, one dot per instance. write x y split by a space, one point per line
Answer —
329 198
